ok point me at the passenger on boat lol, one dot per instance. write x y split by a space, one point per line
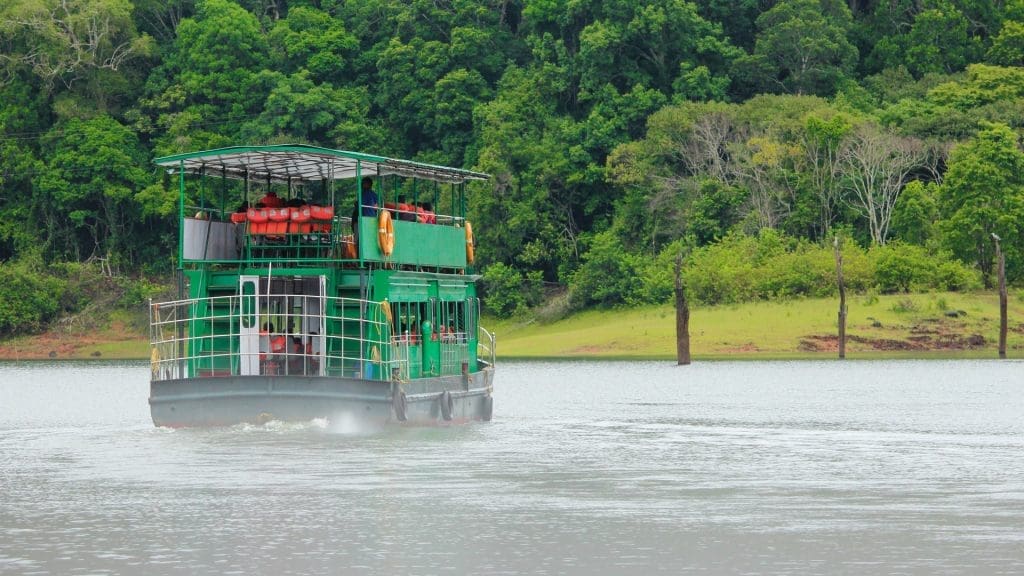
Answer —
296 364
271 200
406 211
369 197
428 213
270 345
313 363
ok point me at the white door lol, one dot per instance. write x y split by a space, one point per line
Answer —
248 326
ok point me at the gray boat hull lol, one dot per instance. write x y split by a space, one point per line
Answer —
225 401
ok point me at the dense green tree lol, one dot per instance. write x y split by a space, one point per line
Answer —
212 80
803 45
1008 46
915 215
94 167
983 194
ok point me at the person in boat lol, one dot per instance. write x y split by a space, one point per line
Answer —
312 362
296 364
428 213
271 200
406 211
368 198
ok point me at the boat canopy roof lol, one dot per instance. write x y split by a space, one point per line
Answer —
303 163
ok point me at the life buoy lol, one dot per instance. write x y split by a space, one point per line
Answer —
386 233
447 405
470 255
154 361
399 404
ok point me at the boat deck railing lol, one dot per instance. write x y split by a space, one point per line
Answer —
487 346
222 336
230 335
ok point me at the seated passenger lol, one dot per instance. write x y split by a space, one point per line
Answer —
406 211
428 212
271 200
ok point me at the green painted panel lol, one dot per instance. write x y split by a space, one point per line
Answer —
416 244
451 292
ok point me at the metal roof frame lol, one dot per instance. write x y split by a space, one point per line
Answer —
293 163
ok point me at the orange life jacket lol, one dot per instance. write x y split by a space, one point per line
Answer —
277 344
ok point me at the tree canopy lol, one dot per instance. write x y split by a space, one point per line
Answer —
619 133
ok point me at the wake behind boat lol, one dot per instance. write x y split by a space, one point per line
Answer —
320 283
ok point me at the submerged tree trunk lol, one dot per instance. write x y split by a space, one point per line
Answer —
1001 271
842 300
682 318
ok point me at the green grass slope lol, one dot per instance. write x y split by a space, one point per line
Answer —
917 325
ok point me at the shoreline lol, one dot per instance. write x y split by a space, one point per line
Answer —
940 326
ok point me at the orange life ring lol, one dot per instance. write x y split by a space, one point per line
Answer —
470 256
386 233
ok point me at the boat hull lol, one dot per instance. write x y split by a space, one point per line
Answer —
225 401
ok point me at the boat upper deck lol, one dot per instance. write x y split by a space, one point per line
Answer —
302 205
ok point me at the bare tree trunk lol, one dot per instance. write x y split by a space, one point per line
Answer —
842 299
682 318
1001 270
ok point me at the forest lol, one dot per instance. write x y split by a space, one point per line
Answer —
745 135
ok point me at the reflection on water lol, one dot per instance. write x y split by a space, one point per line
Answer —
782 467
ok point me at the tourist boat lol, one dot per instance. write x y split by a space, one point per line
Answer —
300 299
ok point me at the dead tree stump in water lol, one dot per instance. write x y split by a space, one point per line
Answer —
1001 271
682 318
842 299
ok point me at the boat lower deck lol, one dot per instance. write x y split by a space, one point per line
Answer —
225 401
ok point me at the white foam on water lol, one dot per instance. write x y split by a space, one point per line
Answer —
348 424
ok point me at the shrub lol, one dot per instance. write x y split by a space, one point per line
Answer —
30 299
503 287
954 275
900 267
608 276
138 292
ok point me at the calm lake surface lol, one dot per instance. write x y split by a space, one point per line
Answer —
588 468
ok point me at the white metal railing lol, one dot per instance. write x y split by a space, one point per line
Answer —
485 345
215 337
454 353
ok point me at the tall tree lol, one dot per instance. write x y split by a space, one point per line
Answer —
983 193
88 190
803 43
64 41
876 166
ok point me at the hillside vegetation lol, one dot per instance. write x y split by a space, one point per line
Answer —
620 134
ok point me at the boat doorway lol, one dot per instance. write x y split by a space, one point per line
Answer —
281 325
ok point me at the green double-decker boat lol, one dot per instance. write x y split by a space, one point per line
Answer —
320 284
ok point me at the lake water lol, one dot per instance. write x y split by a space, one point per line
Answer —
587 468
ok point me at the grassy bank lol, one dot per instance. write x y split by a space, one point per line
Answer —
951 325
115 334
941 325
